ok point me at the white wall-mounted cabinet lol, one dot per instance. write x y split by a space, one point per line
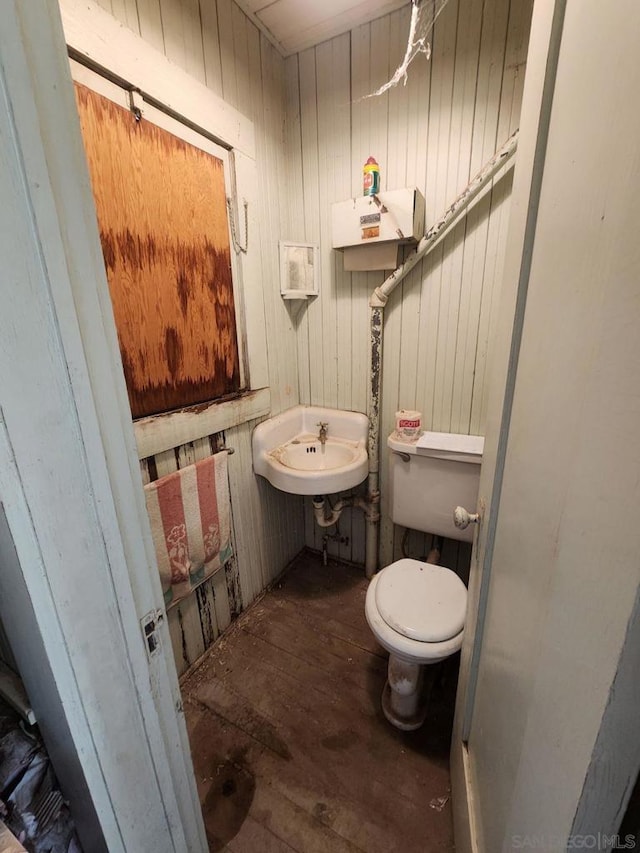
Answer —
396 215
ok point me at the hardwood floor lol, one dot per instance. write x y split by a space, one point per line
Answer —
290 747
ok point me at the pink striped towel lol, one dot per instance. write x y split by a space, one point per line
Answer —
190 515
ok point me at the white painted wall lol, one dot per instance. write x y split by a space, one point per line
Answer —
434 133
544 759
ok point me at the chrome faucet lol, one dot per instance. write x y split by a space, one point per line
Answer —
322 435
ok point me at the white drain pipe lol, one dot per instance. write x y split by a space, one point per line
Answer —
378 300
324 520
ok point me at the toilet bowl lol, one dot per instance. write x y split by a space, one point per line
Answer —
416 612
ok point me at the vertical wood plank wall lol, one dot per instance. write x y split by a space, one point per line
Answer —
218 45
434 133
314 133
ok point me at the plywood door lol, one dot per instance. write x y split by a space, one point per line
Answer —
161 207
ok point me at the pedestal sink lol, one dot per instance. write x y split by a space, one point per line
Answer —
287 450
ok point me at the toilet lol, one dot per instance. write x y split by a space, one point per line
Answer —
416 610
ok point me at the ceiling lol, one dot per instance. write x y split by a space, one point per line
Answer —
293 25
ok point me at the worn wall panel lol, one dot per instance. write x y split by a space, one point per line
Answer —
435 133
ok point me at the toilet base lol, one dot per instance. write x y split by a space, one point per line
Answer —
405 724
403 702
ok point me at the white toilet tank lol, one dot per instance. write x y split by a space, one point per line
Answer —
431 477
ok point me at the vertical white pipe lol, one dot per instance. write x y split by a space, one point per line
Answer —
375 385
377 302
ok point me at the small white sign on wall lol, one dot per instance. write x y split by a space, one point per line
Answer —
299 270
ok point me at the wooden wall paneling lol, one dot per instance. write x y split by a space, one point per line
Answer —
329 141
455 296
388 408
262 531
183 36
294 228
165 463
211 46
398 102
257 94
227 59
373 65
189 626
185 455
418 92
397 368
207 615
281 341
433 130
241 519
268 526
247 516
442 45
446 190
409 341
476 281
310 170
493 62
175 633
515 62
239 29
360 105
511 98
150 23
362 284
293 146
380 70
334 182
127 12
221 600
144 471
311 533
395 343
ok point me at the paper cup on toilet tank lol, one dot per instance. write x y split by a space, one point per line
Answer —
408 425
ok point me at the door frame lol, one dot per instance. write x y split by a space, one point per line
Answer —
542 60
78 563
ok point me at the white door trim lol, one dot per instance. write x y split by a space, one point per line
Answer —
71 490
544 47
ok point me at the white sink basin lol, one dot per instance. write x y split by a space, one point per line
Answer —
288 452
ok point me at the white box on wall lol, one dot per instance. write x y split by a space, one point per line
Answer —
394 215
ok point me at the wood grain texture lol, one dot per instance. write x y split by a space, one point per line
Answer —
161 208
290 746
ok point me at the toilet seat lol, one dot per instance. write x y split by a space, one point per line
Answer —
396 643
422 601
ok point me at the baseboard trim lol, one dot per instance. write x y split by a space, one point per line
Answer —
465 826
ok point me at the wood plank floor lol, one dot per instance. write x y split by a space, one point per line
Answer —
290 747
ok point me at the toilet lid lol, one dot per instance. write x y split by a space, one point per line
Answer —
421 601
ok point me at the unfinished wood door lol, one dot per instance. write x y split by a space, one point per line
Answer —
161 207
